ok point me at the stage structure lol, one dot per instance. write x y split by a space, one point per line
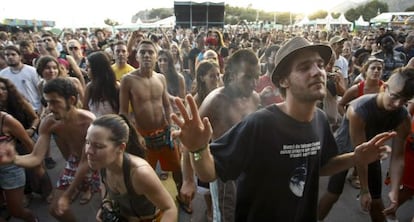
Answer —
190 14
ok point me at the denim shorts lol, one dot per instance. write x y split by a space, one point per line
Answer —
11 177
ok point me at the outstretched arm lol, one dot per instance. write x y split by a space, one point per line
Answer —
364 154
40 149
195 134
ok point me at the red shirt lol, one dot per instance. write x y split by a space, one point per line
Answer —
262 83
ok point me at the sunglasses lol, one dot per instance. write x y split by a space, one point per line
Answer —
73 48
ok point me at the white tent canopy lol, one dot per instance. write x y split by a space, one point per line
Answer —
343 20
361 22
388 17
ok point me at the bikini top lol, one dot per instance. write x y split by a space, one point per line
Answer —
4 137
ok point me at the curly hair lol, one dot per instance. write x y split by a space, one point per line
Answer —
16 105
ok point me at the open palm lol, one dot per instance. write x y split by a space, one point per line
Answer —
194 133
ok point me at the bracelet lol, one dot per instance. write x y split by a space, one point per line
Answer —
197 153
105 201
363 191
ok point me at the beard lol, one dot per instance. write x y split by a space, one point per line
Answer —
307 95
13 64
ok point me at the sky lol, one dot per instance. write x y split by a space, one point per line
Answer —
71 12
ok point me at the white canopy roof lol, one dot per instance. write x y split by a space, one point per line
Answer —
361 22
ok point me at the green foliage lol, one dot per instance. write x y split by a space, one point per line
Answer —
236 14
353 14
410 9
318 15
368 10
335 15
111 22
160 13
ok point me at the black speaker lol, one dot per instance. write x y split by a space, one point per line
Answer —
190 14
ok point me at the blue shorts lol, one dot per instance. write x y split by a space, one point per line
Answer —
12 177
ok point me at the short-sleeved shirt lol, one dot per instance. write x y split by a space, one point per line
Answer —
119 72
276 161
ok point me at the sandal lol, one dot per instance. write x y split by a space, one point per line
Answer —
354 181
185 207
85 197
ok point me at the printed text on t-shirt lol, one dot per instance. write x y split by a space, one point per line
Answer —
301 150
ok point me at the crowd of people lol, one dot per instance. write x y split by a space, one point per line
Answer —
254 117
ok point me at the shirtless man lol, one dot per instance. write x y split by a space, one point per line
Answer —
146 90
68 126
226 106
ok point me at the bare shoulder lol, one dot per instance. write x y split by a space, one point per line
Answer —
216 98
139 166
159 75
74 80
131 75
85 114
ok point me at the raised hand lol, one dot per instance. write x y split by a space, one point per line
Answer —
374 149
194 133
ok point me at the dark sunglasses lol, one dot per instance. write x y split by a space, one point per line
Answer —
73 48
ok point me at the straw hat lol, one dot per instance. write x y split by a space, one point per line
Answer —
290 49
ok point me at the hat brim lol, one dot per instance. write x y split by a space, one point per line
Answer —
324 51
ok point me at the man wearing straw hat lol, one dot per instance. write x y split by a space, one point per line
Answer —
277 153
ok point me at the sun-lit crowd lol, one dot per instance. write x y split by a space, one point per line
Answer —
116 106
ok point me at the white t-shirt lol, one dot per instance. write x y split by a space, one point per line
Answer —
26 83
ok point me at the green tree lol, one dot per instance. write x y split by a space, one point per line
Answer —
319 14
410 9
372 8
353 14
335 15
368 10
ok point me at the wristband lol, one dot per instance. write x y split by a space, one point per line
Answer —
197 153
363 191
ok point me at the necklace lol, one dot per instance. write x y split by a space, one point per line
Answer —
16 71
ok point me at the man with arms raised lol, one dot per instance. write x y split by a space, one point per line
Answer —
278 153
